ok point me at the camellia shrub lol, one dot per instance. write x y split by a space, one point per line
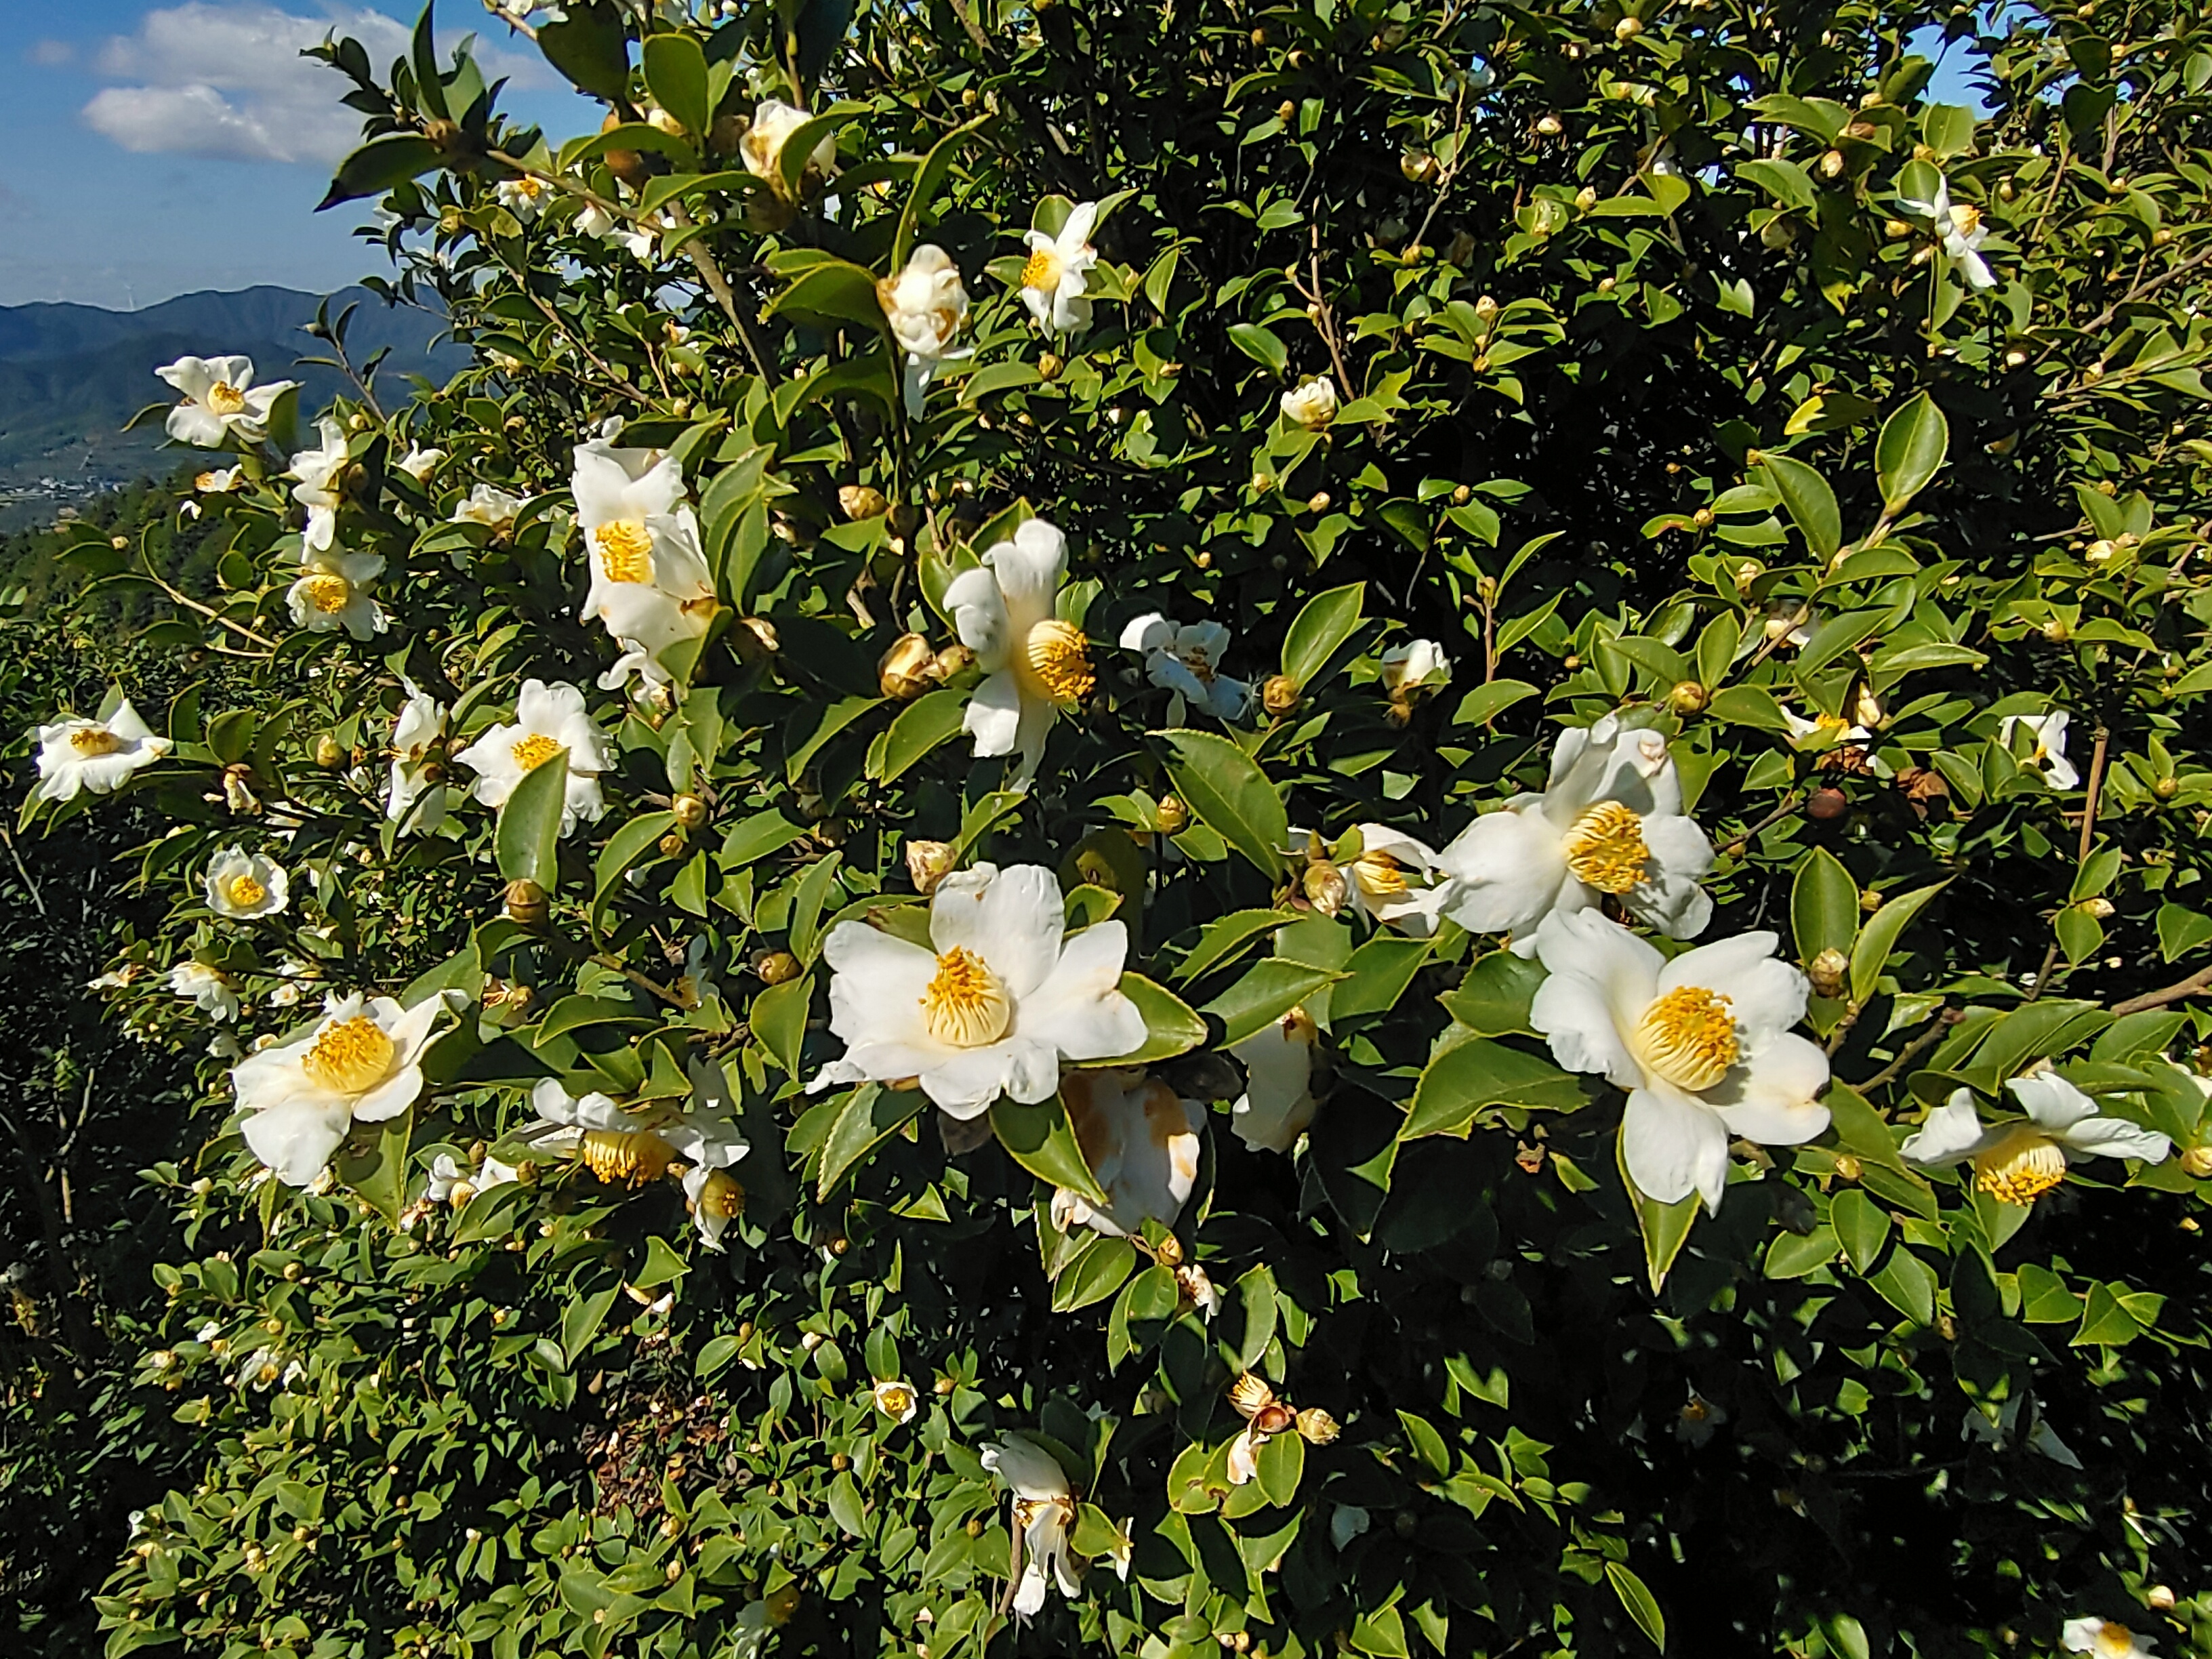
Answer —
1366 829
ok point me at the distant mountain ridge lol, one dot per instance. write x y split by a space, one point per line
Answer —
70 375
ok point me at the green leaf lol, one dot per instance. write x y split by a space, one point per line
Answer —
1042 1139
662 1264
1493 999
1319 631
590 48
1665 1228
1785 181
831 292
1793 1255
1460 1083
928 178
1878 937
1271 989
1908 1285
1486 703
1262 345
1377 976
676 74
581 1322
1805 496
378 165
1231 796
372 1164
870 1117
779 1020
1097 1271
1860 1227
932 719
1637 1600
1911 450
1171 1026
2105 1322
2181 930
1220 939
527 841
1824 906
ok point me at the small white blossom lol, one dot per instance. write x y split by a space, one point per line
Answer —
220 401
2048 756
205 988
927 307
1187 660
77 754
1056 277
245 886
1311 402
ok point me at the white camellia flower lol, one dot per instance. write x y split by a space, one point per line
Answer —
1702 1044
2017 1163
76 754
1416 665
548 719
626 1148
1044 1510
1187 660
245 886
452 1182
1610 821
419 463
1278 1102
359 1065
1055 276
1828 728
896 1400
333 593
321 473
1374 882
761 147
1311 402
927 307
495 508
1141 1142
524 196
650 585
206 989
1033 664
2104 1640
1959 224
2048 756
415 799
993 1005
220 399
597 222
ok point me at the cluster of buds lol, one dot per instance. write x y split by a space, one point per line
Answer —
1267 1415
913 665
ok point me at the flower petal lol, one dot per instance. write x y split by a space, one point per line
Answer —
1673 1146
295 1139
877 984
1765 994
1770 1097
1011 918
1080 1009
1150 632
979 617
2115 1137
1950 1134
1029 569
994 716
2050 1100
1506 869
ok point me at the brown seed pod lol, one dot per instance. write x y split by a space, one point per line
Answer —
1827 806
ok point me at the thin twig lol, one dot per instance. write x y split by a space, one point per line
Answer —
1911 1051
29 886
1789 806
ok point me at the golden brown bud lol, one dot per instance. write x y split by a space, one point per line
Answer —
1279 695
1050 366
1848 1168
672 844
1829 973
1316 1426
1420 166
953 660
527 902
1286 112
777 967
1896 229
329 751
761 631
1586 198
1325 889
690 812
1832 165
1628 28
2159 1597
904 673
1318 501
1171 814
1548 127
1688 697
2197 1161
861 502
927 863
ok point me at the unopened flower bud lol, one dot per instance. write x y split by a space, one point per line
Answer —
1286 112
1325 887
1832 165
1419 166
861 502
1171 815
760 631
904 673
927 863
1585 198
672 844
2167 788
1848 1168
1827 805
1548 126
1628 28
690 812
1316 1426
1050 366
1318 501
527 902
1688 697
2197 1161
2057 631
2159 1597
953 660
1828 972
1279 695
329 751
2098 908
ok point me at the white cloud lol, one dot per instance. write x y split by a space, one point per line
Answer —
49 53
227 80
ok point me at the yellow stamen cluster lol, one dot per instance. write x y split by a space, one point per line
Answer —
2019 1168
625 548
965 1005
224 398
1040 271
1606 847
1688 1036
245 891
1966 218
1379 875
350 1057
894 1400
1059 657
532 751
328 591
91 741
625 1157
721 1196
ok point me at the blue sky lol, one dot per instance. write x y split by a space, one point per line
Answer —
157 147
